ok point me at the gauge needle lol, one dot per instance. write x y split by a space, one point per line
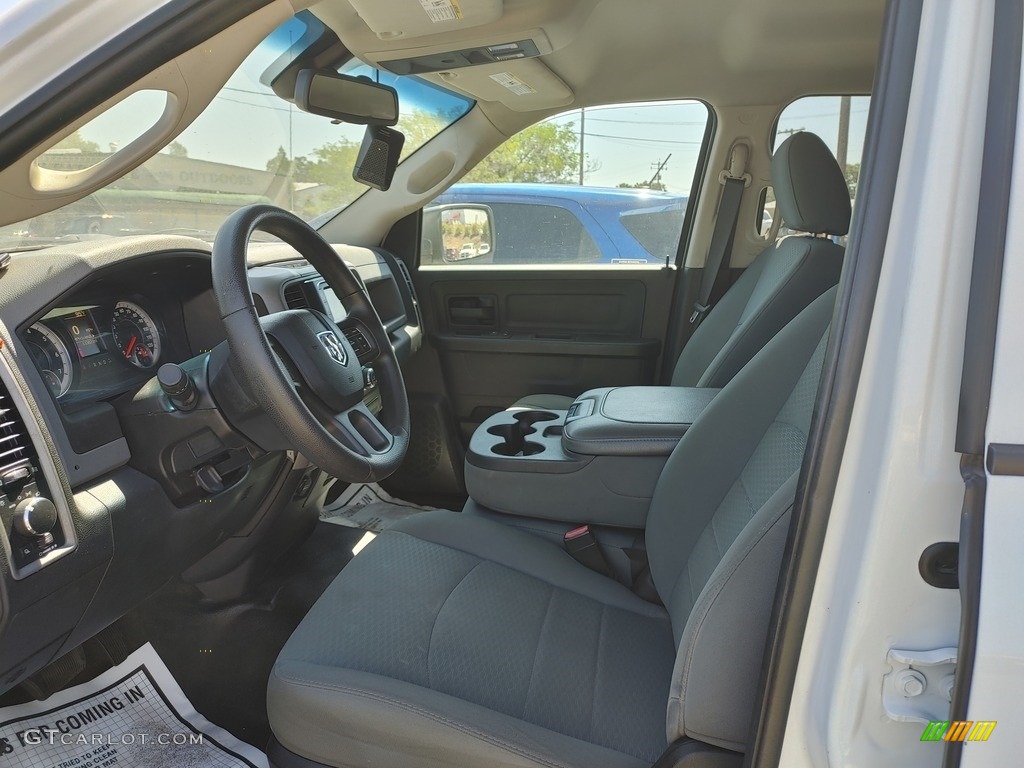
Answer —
131 346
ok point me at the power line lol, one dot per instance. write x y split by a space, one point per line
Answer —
641 139
245 90
255 106
623 121
648 122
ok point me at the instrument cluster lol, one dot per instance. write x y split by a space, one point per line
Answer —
94 348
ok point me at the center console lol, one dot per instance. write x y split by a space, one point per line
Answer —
598 462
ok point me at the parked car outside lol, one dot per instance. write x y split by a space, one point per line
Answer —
565 224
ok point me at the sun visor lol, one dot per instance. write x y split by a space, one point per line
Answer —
522 86
401 19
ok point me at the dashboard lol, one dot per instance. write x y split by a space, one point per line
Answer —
134 493
110 336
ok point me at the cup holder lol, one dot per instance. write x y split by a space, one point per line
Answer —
525 449
507 431
529 418
514 442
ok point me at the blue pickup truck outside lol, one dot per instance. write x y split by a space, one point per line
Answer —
565 224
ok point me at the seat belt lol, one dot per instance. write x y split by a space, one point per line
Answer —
734 179
581 544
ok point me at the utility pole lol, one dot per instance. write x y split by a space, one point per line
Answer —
658 167
291 161
583 132
842 143
291 143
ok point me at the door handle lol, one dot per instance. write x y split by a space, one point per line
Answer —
476 311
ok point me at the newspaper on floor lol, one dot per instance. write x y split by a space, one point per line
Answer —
132 716
369 507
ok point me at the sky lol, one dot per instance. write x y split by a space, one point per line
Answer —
628 143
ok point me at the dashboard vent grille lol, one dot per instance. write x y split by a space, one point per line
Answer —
359 343
15 446
295 296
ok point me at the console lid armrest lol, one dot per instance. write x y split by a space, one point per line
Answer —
632 421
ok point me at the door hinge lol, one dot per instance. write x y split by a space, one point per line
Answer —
919 685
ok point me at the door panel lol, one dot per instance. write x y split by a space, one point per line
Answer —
501 334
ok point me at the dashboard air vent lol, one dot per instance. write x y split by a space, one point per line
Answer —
15 446
295 296
359 343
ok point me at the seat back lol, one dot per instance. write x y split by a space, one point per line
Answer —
812 196
718 524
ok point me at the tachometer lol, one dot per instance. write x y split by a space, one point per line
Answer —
51 357
135 334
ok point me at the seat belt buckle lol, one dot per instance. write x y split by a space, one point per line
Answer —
582 546
699 310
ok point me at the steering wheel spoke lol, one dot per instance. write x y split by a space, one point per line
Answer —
361 429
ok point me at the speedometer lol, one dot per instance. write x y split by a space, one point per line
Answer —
135 334
51 357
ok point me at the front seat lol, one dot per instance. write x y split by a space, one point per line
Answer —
454 640
812 195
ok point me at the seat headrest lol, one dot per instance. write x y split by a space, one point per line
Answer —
810 188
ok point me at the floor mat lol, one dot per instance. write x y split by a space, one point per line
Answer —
222 654
134 715
369 507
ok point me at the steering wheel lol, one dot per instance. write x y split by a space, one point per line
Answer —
298 368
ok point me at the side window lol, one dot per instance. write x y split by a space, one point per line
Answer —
603 186
840 121
530 233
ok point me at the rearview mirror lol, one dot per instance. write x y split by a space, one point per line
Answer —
356 100
457 233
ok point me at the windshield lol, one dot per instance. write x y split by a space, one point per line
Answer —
248 146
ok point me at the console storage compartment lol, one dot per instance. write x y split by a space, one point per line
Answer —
633 421
596 463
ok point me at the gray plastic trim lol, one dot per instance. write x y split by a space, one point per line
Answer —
54 485
1005 459
35 279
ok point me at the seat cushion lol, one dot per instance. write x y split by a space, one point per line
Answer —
544 402
455 640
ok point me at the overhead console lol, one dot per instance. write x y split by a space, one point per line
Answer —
464 57
490 50
604 455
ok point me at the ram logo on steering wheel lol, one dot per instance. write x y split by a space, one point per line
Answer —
334 347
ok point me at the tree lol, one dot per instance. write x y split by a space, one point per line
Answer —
76 141
420 127
852 177
279 163
329 166
655 185
545 152
177 149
